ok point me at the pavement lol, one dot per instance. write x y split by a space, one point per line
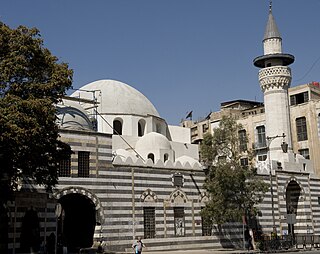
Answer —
203 251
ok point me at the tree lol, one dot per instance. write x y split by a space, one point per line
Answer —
32 81
233 187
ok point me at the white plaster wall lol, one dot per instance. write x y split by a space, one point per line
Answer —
180 134
272 46
180 149
277 119
119 143
129 124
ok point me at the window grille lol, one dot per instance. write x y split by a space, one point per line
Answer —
179 224
178 180
83 164
149 221
301 124
65 167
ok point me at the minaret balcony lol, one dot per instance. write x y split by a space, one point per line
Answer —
275 77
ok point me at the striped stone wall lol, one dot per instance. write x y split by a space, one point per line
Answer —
121 192
305 193
45 210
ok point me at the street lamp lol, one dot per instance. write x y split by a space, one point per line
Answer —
284 147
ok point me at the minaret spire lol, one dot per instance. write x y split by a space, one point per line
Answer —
275 79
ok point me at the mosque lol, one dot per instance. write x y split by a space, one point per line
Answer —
133 175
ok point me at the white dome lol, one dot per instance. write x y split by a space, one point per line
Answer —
71 115
117 98
184 158
152 141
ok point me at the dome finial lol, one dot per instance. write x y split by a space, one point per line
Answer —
270 6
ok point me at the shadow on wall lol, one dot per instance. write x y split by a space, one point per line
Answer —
230 235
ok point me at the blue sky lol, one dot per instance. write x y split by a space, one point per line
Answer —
182 54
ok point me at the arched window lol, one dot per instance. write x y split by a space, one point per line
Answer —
158 128
117 127
141 127
165 157
151 156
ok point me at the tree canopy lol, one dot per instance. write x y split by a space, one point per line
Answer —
31 82
231 182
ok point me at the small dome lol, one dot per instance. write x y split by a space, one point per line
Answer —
152 141
118 98
183 159
71 115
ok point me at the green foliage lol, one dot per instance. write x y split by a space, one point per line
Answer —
31 82
234 189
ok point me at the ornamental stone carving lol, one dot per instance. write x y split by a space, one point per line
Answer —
276 77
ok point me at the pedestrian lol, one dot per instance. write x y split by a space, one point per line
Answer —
248 239
138 245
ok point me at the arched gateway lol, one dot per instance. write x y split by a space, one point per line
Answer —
81 213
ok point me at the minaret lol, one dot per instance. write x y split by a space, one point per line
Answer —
275 79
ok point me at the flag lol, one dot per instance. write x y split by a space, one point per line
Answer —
189 115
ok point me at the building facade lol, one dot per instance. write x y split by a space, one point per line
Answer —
289 117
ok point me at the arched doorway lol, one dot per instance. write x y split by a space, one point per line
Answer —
30 232
77 222
293 193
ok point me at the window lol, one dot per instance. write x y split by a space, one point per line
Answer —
205 128
244 162
206 226
242 140
151 156
179 227
301 124
117 127
262 157
83 164
141 126
299 98
65 167
158 128
149 222
305 153
178 180
165 157
261 136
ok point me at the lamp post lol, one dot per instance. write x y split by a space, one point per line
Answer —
284 147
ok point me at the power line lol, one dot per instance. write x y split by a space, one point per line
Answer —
310 69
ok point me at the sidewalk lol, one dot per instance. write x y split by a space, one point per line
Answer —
204 251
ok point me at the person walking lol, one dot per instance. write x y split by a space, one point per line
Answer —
248 239
138 245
